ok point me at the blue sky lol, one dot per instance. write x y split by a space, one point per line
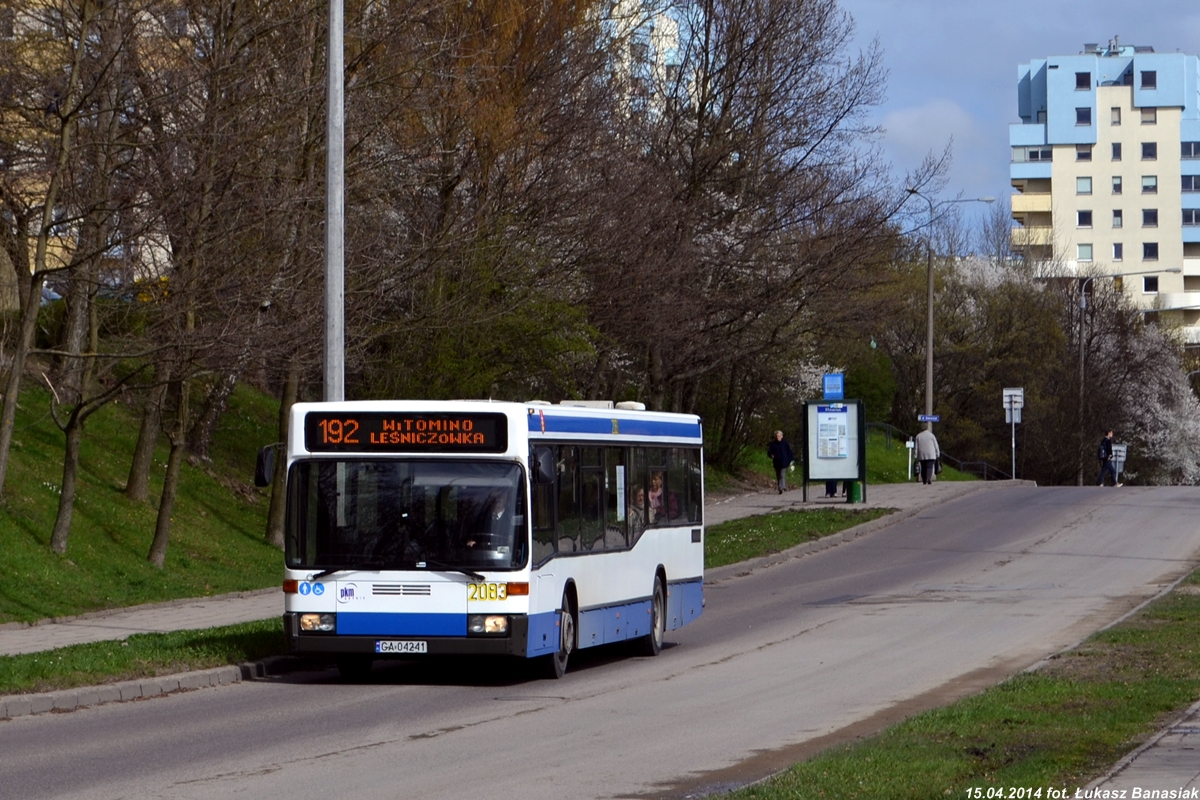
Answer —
953 67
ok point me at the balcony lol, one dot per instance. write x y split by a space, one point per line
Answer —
1178 301
1031 204
1033 236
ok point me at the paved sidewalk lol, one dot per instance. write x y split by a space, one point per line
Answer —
1169 761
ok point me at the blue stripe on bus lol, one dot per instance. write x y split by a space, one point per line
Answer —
685 602
380 624
604 425
543 634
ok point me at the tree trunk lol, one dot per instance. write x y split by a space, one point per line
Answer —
137 487
200 436
66 498
276 515
166 504
12 388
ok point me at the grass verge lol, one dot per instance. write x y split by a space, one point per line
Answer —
142 655
1054 729
750 537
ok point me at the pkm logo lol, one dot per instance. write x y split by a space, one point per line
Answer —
348 593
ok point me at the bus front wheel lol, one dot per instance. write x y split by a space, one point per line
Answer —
556 663
651 644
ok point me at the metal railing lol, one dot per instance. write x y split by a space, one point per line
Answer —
980 469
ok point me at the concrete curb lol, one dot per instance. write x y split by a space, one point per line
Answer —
1166 729
742 568
63 700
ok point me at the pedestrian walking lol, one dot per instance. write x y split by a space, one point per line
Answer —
927 454
782 458
1105 454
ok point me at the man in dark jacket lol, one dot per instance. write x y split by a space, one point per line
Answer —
1105 454
780 453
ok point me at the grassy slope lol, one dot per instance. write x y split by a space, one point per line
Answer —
217 543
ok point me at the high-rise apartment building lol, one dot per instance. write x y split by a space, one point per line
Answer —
1106 167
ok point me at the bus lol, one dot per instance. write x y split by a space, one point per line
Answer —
528 530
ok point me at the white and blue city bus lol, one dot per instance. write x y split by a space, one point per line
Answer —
465 527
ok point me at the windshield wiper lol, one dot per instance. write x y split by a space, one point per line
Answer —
475 576
325 573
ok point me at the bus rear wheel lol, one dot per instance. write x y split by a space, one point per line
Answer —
555 665
651 643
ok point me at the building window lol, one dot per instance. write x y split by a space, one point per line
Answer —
1191 216
1083 152
1083 219
1149 79
1191 183
1149 184
1149 217
1083 116
1190 150
1150 284
1149 151
1118 218
1083 81
1083 186
1118 251
1083 252
1116 184
1149 116
1149 251
1020 155
1116 116
1116 156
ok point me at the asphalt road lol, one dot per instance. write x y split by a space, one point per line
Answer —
785 659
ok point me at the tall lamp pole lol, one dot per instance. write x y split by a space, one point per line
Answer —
335 219
929 294
1082 373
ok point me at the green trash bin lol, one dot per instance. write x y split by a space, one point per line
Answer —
854 492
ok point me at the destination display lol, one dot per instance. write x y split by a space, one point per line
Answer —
395 432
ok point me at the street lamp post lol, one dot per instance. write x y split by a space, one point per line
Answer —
335 219
929 295
1083 307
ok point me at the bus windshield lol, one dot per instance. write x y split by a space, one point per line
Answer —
406 514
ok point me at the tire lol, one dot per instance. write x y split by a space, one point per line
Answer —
651 644
354 667
555 665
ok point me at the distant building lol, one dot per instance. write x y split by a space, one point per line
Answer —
1106 167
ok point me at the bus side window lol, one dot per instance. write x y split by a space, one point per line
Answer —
615 500
664 502
570 499
544 537
639 515
592 498
683 481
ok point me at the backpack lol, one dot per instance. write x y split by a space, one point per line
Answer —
1101 451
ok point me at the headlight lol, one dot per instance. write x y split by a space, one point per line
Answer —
325 623
489 625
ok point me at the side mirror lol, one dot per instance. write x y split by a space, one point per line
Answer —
264 467
541 464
